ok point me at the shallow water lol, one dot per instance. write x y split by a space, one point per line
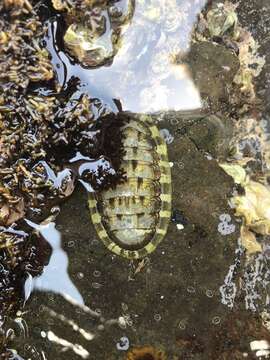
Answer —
196 296
141 75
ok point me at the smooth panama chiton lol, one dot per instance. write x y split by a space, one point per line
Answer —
132 218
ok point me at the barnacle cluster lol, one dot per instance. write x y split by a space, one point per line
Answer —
218 28
253 205
22 60
219 25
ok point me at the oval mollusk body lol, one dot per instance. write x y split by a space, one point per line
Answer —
132 218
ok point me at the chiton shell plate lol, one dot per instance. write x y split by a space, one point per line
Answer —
132 219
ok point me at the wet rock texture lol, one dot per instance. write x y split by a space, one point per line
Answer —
258 25
222 65
170 300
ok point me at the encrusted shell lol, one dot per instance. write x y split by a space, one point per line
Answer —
95 38
221 18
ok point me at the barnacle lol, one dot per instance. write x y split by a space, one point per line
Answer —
21 59
18 6
146 353
222 18
253 206
251 63
89 49
93 36
61 5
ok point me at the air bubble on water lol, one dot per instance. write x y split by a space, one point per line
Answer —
157 317
174 121
43 334
209 293
180 165
71 243
96 285
182 324
216 320
96 273
101 327
50 322
94 242
80 275
123 344
191 289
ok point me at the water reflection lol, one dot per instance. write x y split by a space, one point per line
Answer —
55 277
145 73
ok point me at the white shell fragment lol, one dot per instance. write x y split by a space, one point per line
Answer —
262 348
123 344
224 227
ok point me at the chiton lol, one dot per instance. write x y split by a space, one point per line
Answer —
132 218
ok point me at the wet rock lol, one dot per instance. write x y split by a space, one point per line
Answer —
175 291
213 135
213 68
210 133
221 19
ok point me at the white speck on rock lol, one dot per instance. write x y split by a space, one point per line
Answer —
167 136
224 227
123 344
180 226
259 345
225 217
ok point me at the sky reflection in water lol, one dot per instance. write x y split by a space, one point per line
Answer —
142 75
55 277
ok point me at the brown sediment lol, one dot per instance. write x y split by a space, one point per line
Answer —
146 353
